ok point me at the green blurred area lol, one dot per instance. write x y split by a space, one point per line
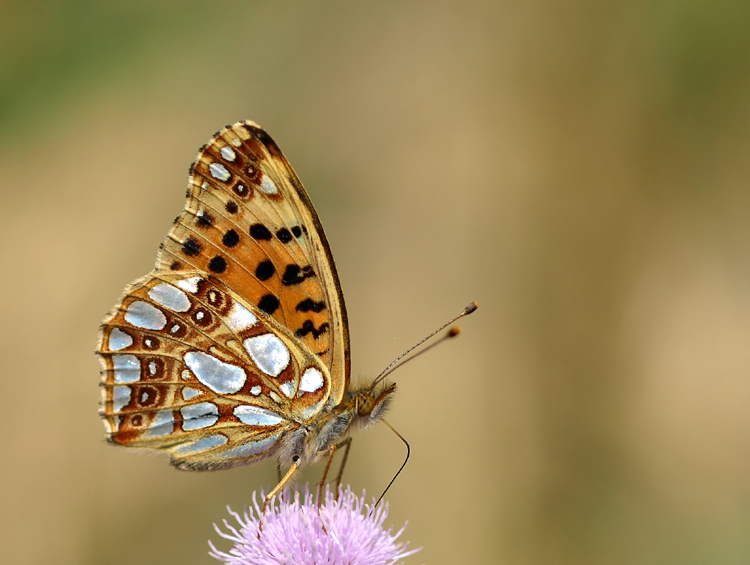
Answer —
580 169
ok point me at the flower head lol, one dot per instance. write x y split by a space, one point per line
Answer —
293 532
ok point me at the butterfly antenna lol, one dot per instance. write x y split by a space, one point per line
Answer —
452 333
408 452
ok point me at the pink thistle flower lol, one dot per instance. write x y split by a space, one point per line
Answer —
293 533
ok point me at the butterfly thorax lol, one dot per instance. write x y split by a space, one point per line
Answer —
359 408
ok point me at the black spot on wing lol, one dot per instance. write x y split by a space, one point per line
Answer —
294 274
231 207
308 327
284 235
297 231
231 238
269 304
204 220
260 232
191 247
310 305
217 264
265 271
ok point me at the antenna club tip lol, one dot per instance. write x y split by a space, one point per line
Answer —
454 331
471 308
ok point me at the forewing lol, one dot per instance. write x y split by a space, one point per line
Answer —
250 224
190 366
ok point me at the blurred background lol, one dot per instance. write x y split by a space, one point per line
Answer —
580 169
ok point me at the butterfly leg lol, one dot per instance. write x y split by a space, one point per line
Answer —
348 444
274 492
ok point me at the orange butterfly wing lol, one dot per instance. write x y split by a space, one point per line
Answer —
240 333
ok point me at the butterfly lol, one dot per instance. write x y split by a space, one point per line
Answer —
235 348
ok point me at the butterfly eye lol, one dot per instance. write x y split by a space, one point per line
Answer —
365 405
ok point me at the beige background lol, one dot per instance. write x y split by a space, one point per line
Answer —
581 169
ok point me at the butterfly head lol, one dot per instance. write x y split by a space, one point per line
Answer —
372 402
